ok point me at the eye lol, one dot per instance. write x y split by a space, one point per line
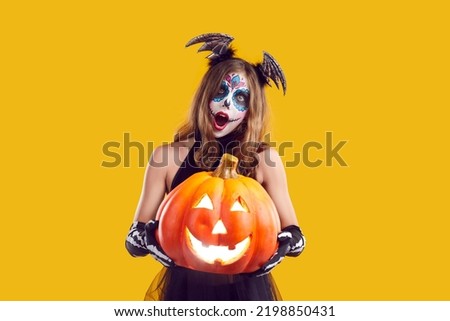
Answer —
240 98
205 202
223 89
222 92
239 206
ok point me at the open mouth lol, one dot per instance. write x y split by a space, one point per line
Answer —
212 254
221 119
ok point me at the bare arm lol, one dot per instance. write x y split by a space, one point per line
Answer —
272 175
154 186
141 240
291 242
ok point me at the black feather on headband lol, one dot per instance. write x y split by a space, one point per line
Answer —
219 45
270 69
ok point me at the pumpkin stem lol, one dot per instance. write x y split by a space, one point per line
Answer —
227 167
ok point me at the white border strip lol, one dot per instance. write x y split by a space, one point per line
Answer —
254 310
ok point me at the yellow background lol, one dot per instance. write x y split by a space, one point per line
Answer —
77 74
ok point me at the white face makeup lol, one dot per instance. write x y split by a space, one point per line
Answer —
230 104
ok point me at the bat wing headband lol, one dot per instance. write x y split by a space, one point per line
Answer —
219 45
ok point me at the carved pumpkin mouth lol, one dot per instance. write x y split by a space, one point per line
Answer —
212 254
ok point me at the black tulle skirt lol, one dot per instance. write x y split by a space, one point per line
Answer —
181 284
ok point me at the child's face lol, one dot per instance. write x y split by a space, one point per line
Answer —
230 104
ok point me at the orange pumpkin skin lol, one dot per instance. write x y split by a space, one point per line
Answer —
237 214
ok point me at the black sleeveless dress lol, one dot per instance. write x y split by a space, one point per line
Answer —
182 284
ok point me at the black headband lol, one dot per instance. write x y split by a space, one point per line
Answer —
219 45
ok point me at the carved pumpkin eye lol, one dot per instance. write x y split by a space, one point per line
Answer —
205 202
239 206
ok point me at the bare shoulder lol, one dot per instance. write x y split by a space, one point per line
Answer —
182 144
178 151
168 158
270 160
170 154
270 166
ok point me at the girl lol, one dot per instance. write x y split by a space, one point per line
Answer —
228 114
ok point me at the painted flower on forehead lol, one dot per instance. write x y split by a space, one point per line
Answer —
234 81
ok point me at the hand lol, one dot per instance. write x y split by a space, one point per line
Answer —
291 242
153 246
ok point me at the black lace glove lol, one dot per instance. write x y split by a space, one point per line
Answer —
291 242
153 246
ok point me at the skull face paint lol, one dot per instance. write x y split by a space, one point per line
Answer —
230 104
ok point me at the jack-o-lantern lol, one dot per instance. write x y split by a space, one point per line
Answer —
219 222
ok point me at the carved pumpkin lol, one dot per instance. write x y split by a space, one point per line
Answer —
219 222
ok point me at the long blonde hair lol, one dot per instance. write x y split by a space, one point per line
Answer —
249 133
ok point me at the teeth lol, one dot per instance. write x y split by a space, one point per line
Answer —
216 253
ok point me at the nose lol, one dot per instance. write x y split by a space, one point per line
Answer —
226 103
219 228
